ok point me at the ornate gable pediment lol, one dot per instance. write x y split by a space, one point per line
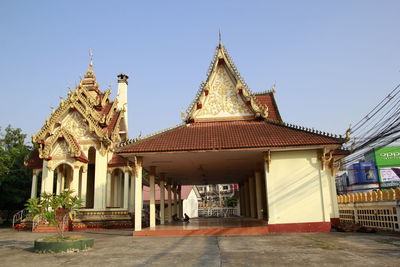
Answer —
76 124
62 141
224 96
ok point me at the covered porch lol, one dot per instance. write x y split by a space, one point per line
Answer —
170 171
208 226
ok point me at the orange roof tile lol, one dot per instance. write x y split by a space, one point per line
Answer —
118 161
268 99
112 123
228 135
34 162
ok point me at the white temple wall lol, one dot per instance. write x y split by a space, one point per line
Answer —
296 188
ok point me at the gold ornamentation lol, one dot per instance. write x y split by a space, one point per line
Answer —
223 99
220 108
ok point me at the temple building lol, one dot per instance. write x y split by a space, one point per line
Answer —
229 135
75 150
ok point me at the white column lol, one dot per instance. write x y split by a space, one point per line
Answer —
169 202
180 215
47 178
266 170
138 194
162 200
84 185
75 180
115 193
175 199
58 181
100 181
247 199
108 185
252 197
242 201
34 185
126 189
132 194
258 195
152 197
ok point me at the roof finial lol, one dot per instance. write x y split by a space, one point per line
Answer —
273 87
219 37
90 72
91 57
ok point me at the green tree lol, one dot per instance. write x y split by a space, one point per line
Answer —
15 178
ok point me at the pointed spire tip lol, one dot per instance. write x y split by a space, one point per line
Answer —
219 38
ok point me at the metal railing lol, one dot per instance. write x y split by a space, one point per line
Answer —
218 211
19 216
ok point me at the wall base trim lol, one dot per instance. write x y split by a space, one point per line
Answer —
306 227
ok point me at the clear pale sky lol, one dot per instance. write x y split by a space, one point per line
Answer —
332 60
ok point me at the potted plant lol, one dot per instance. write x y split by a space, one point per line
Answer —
56 210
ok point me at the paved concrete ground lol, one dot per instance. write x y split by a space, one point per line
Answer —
120 248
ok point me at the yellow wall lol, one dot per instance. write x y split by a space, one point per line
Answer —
298 190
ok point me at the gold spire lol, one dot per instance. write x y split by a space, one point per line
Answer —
220 38
90 72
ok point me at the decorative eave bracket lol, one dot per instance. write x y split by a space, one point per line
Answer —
267 160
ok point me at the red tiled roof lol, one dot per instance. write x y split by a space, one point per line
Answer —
269 100
118 161
112 123
228 135
82 157
34 162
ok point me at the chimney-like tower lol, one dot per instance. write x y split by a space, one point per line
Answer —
122 96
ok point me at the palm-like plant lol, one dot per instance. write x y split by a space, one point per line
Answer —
55 209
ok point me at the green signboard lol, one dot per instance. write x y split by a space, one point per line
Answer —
387 161
384 156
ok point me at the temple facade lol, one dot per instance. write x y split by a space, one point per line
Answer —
75 149
229 135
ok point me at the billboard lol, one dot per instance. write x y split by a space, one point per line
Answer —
390 177
362 173
384 156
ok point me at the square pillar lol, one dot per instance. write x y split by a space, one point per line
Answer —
266 170
75 179
132 194
47 178
169 202
258 195
59 186
100 181
247 199
84 185
175 199
138 194
162 198
241 199
252 193
180 215
34 184
152 197
108 185
115 194
126 189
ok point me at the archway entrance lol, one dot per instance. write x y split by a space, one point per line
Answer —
90 178
63 176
